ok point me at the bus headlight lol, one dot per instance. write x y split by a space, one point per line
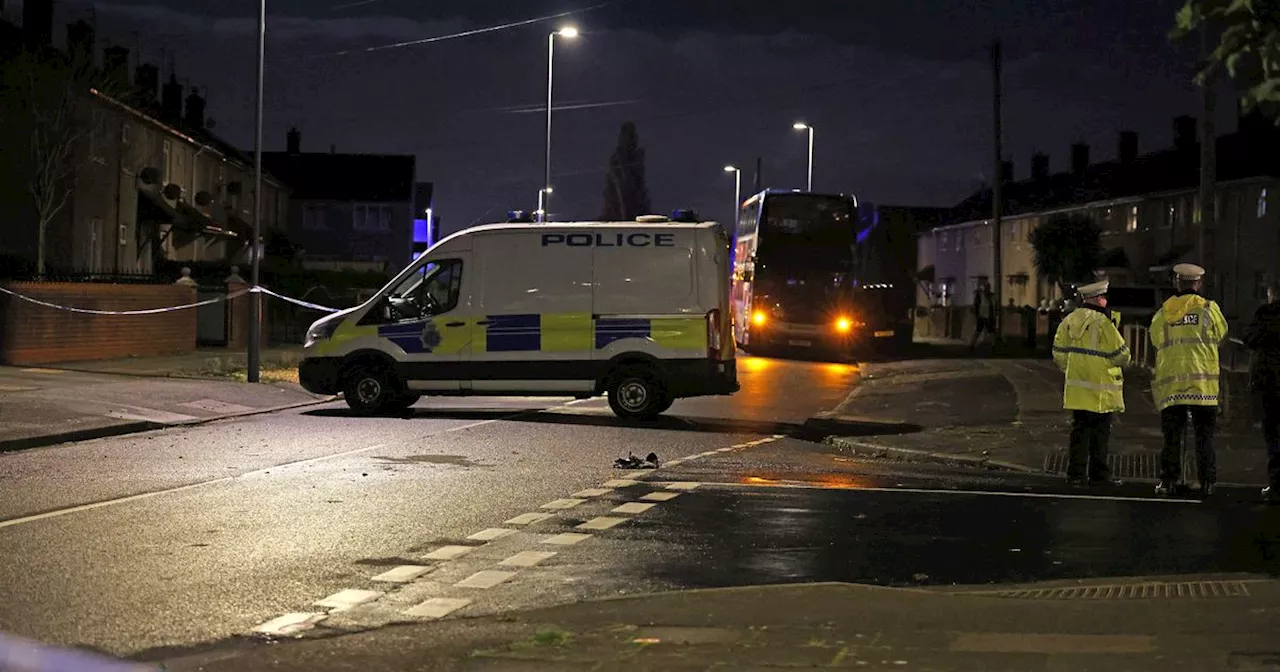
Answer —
844 325
758 318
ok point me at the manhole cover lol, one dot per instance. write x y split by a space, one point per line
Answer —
1131 591
1144 465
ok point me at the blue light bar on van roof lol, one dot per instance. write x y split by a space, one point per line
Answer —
684 215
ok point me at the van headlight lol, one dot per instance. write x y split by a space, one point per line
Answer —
322 330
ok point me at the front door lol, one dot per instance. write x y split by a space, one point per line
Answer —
428 318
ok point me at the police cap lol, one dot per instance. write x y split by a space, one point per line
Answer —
1094 289
1188 272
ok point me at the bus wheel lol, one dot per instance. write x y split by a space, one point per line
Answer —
370 389
636 394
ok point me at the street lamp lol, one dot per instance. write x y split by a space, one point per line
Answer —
542 202
255 298
737 191
801 126
568 32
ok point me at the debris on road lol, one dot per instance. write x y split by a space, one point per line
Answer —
633 462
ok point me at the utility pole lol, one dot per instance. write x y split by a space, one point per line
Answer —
255 298
997 191
1208 160
759 167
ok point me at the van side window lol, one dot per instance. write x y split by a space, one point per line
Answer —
433 290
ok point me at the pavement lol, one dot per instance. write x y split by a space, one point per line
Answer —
41 406
495 534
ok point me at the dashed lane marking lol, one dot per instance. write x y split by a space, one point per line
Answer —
621 482
528 519
402 574
633 507
345 599
682 485
562 504
289 624
483 579
437 607
52 372
566 539
449 552
491 534
527 558
660 496
592 492
602 523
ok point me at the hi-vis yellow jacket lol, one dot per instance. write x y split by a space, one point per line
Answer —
1089 348
1186 332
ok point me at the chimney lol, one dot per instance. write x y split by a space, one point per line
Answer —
80 39
146 85
171 99
1040 167
1006 172
333 149
195 110
1128 147
294 143
1079 158
115 63
1184 133
37 22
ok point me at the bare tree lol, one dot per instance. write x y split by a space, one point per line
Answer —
46 113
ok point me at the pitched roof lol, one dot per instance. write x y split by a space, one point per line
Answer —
344 177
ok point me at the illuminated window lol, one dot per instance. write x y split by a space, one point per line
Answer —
1132 223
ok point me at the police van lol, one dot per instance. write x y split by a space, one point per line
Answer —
637 311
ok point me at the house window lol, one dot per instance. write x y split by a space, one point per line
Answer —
1131 224
372 218
1262 203
945 241
313 217
960 239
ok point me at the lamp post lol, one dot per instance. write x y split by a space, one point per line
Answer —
255 249
801 126
737 192
542 203
568 32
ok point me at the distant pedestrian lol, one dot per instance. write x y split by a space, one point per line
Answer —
1263 337
984 312
1090 350
1186 332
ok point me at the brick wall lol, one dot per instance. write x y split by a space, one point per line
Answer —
240 316
32 334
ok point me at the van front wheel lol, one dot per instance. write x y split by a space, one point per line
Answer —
637 394
370 390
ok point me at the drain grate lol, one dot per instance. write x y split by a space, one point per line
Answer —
1144 465
1132 591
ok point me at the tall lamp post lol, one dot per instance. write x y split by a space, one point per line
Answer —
542 202
255 247
568 32
801 126
737 193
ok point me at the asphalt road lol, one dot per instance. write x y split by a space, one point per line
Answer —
195 535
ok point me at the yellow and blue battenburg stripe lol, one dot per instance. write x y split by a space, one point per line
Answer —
558 332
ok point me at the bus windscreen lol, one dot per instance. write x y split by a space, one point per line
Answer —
816 232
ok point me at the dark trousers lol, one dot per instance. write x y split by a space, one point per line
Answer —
985 326
1087 453
1173 422
1271 433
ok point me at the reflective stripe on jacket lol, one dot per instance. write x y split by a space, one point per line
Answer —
1090 350
1186 332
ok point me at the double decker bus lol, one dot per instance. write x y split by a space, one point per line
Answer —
794 276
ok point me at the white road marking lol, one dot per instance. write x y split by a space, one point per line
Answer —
979 493
54 372
526 558
289 624
150 415
592 492
673 463
491 534
660 496
402 574
437 607
528 519
487 578
725 450
562 504
682 485
449 552
566 539
621 482
345 599
633 507
601 523
227 479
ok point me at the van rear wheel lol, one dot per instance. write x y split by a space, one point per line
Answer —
637 394
369 390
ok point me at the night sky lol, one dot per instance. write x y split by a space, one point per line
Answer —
899 91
